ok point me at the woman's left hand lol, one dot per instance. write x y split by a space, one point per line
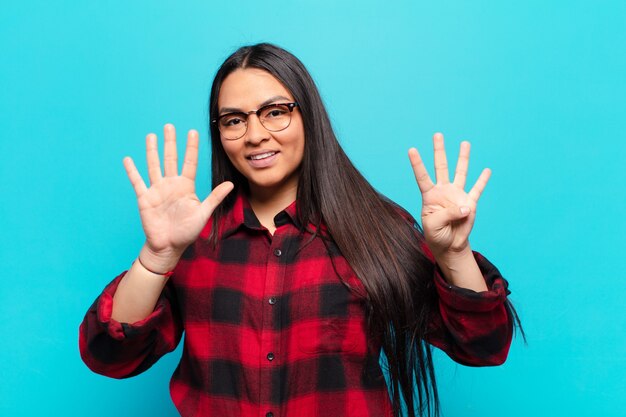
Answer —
448 212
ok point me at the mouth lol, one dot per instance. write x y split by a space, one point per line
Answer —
263 160
261 156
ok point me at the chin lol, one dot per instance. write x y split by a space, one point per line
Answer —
267 183
271 182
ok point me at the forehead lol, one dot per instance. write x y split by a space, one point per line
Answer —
247 88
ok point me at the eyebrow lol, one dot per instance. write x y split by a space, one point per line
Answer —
270 100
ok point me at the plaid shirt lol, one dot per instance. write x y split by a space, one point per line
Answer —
270 330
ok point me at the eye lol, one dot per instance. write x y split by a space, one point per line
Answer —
274 111
229 120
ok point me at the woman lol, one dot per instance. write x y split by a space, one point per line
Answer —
294 273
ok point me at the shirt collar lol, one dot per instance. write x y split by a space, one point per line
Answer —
242 214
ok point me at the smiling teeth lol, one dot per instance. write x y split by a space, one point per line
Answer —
263 155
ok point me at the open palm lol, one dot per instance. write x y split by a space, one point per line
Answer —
448 212
171 214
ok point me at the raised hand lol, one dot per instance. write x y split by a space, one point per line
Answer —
448 212
171 214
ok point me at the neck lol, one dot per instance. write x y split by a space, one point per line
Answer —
267 203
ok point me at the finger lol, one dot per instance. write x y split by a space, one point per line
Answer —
152 156
460 175
170 158
480 185
442 218
441 162
216 197
134 176
421 174
191 156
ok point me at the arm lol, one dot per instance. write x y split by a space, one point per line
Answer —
136 319
120 349
448 213
172 217
139 290
473 328
474 320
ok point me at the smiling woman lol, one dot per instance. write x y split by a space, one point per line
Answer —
294 275
271 146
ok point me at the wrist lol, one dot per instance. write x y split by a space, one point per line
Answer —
158 263
450 258
145 268
461 270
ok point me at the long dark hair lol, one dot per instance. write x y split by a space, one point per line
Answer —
382 246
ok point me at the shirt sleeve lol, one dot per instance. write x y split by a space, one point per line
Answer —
122 350
473 328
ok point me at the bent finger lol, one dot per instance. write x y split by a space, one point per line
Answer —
133 175
449 214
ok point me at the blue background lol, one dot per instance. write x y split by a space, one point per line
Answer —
537 87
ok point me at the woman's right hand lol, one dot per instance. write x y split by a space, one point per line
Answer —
171 214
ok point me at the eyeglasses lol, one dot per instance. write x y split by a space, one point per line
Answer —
274 117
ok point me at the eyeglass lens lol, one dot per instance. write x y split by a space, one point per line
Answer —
274 117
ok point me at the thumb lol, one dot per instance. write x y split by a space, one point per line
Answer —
443 217
214 199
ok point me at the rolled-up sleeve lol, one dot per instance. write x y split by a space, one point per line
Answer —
473 328
121 350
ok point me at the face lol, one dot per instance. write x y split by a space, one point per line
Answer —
269 160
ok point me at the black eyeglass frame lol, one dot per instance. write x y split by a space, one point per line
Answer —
290 107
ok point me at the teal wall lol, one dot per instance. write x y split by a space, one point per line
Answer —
538 87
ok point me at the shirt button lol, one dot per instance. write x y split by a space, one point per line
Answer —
269 414
270 356
272 300
278 252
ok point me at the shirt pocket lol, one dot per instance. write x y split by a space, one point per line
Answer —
327 320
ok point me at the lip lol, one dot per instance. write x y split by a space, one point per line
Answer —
262 163
259 152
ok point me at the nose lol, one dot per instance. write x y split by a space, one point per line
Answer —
256 133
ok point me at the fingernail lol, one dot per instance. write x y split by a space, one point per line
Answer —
465 210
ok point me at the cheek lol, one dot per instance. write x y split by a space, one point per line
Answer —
297 143
300 153
231 151
301 147
295 150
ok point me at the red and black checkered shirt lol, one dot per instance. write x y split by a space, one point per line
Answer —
271 331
